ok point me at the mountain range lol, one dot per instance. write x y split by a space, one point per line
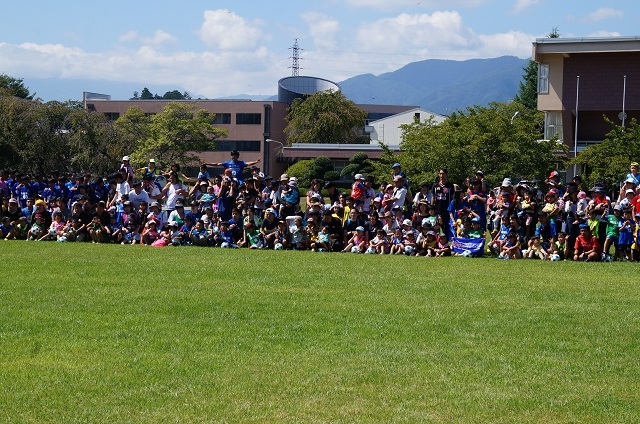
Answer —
440 86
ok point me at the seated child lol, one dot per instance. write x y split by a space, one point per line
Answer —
379 244
511 248
536 250
442 246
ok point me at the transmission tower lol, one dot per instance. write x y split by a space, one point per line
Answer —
295 67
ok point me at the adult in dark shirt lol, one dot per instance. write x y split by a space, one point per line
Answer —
334 193
41 208
443 192
268 228
335 231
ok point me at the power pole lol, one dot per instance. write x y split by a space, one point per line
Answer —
295 67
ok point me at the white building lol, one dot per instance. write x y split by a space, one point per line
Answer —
387 130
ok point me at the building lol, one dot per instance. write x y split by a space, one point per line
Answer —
580 80
387 130
256 128
249 124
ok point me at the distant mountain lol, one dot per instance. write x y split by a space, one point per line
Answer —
441 86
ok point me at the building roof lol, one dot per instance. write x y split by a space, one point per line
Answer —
567 46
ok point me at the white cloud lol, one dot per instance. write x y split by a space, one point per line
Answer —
159 37
440 35
225 30
207 73
604 34
128 36
522 5
602 14
387 5
322 29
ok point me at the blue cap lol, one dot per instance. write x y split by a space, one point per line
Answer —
396 164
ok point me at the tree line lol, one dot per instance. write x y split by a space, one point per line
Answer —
38 136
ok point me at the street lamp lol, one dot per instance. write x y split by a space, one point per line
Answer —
268 154
514 116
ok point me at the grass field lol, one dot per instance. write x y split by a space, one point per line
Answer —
110 333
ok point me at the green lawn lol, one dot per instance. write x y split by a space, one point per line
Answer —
110 333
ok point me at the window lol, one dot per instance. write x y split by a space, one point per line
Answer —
543 78
248 118
112 116
222 118
239 145
553 125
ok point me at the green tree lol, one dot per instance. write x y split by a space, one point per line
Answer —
608 162
173 95
528 87
324 117
145 94
10 86
33 135
176 135
480 138
96 145
359 163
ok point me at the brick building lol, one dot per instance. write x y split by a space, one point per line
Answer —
601 74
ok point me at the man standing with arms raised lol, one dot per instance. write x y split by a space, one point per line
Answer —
236 166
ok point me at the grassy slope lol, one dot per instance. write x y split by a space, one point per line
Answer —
130 333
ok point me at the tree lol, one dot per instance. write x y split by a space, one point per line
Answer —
175 134
528 87
479 138
34 135
173 95
608 162
358 164
306 170
324 117
96 145
10 86
146 94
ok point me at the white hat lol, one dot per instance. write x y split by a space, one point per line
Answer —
284 177
507 182
358 177
125 158
152 161
407 222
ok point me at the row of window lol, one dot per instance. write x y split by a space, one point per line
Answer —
241 119
219 118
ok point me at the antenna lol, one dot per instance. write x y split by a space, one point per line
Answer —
295 67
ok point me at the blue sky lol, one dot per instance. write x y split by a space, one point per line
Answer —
215 48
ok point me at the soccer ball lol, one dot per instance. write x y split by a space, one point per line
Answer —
278 246
354 249
466 254
554 257
607 258
409 250
225 245
34 231
370 251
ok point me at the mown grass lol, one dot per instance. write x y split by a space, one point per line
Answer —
105 333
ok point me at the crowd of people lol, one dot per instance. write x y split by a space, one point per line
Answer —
148 206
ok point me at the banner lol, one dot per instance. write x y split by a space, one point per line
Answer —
475 246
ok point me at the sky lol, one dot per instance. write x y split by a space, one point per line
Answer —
215 48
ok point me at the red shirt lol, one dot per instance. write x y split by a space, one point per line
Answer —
587 244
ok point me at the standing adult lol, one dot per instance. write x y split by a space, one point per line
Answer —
172 192
126 166
237 166
443 192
